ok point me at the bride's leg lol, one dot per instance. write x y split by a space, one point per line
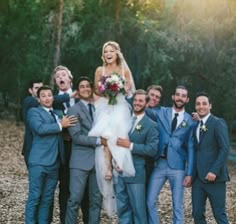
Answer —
108 158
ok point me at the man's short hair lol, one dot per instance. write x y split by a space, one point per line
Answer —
181 87
202 93
83 78
33 81
45 87
142 92
156 87
61 67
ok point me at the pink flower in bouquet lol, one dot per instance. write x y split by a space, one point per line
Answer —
111 85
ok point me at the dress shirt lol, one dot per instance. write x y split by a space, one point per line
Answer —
72 100
180 118
57 118
204 120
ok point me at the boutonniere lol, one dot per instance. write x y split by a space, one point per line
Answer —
184 124
203 128
138 127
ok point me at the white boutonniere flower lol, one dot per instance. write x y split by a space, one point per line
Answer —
138 127
203 128
184 124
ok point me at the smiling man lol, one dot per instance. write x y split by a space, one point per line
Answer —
211 147
142 142
45 157
175 155
82 162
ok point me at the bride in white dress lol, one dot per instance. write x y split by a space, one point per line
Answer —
111 122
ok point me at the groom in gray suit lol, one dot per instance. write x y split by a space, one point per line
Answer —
82 161
211 147
142 142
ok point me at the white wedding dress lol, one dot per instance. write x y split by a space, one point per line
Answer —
112 122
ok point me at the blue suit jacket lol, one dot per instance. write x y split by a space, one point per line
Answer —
179 144
145 143
212 150
47 142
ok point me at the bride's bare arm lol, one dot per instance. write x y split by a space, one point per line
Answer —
97 77
129 84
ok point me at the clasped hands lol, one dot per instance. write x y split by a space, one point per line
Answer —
123 142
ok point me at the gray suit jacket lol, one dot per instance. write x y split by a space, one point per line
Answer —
145 141
47 140
83 146
212 150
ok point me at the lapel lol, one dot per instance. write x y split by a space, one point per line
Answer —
46 114
85 111
207 124
136 132
186 118
168 118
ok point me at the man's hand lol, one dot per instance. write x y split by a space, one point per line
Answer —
195 116
187 181
103 141
68 121
210 177
123 142
74 94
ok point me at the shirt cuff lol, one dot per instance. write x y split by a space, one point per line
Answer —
60 126
131 146
99 141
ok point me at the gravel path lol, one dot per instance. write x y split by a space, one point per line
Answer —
14 185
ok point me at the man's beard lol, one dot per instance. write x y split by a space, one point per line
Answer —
179 107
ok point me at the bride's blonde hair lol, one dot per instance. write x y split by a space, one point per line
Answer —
116 46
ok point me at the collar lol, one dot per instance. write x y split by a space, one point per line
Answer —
181 113
47 109
85 102
204 119
139 117
69 91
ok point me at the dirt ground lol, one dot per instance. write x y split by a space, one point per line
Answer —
14 185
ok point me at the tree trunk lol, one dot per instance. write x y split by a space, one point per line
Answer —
57 52
117 10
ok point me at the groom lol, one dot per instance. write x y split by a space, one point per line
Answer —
142 142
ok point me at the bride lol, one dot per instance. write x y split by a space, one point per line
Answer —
111 122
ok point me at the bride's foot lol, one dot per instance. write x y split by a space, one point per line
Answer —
108 175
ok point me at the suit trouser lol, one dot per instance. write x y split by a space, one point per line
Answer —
161 173
130 198
216 192
78 182
64 182
42 184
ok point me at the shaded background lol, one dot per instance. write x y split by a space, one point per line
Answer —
166 42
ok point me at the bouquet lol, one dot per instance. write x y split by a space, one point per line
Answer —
110 86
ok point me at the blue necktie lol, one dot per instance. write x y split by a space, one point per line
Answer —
133 123
90 106
53 115
174 122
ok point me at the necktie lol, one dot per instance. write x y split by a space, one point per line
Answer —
68 104
200 130
133 123
90 106
53 115
174 122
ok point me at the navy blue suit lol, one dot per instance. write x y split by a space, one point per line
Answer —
130 191
211 156
46 154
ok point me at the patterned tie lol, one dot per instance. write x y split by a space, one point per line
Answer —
200 130
53 115
90 106
174 122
